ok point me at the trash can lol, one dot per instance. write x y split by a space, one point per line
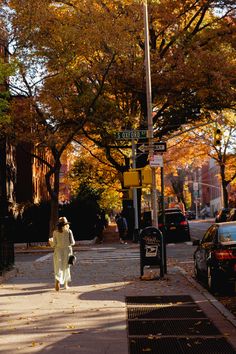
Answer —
151 249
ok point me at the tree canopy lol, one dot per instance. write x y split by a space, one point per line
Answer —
82 68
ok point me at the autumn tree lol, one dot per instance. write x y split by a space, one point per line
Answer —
224 153
92 169
184 154
90 57
194 146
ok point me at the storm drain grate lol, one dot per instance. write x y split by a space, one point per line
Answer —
180 345
165 312
172 324
203 327
173 299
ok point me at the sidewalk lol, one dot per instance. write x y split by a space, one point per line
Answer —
91 316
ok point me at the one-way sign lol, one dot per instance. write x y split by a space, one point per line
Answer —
161 147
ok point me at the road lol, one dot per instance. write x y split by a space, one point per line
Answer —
198 227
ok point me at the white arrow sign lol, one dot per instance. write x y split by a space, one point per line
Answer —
156 147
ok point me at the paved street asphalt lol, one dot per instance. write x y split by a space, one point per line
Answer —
91 316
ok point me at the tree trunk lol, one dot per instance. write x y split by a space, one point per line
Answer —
54 215
224 186
52 181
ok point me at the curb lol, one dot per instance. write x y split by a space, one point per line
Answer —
22 248
221 308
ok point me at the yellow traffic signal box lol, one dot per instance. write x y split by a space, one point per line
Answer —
146 175
131 179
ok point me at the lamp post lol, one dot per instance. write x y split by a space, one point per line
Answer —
135 201
149 112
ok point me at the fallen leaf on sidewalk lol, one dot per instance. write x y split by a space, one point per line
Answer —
226 334
79 332
70 326
34 344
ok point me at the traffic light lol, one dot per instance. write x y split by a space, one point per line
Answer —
217 137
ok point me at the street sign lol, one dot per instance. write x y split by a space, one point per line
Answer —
161 147
156 161
131 134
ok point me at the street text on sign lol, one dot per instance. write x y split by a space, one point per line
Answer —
131 134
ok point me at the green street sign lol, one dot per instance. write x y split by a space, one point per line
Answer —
131 134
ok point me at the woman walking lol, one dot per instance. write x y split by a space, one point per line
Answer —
62 242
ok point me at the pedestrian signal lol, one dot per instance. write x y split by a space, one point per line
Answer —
217 137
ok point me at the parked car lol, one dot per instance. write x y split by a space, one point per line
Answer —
176 228
222 215
191 215
173 210
215 256
232 215
146 219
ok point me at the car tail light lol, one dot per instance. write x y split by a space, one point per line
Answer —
160 225
224 254
184 222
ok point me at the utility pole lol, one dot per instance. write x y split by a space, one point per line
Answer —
135 201
149 113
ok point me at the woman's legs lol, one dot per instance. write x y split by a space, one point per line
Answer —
66 285
57 285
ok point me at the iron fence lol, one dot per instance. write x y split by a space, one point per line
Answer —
7 256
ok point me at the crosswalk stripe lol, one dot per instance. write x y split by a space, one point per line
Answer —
108 258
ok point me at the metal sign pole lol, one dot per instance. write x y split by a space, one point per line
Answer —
149 112
135 201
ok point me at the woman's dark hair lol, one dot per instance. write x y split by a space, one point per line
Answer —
60 227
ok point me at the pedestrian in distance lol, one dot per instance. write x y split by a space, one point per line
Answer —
62 242
122 227
99 228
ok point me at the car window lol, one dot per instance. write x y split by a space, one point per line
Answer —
210 234
174 217
227 233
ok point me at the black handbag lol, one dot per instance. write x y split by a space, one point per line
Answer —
72 259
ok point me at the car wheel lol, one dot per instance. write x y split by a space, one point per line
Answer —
211 280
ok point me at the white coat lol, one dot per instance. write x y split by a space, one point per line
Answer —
62 243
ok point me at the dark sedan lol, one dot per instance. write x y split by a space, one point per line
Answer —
176 228
191 215
215 256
